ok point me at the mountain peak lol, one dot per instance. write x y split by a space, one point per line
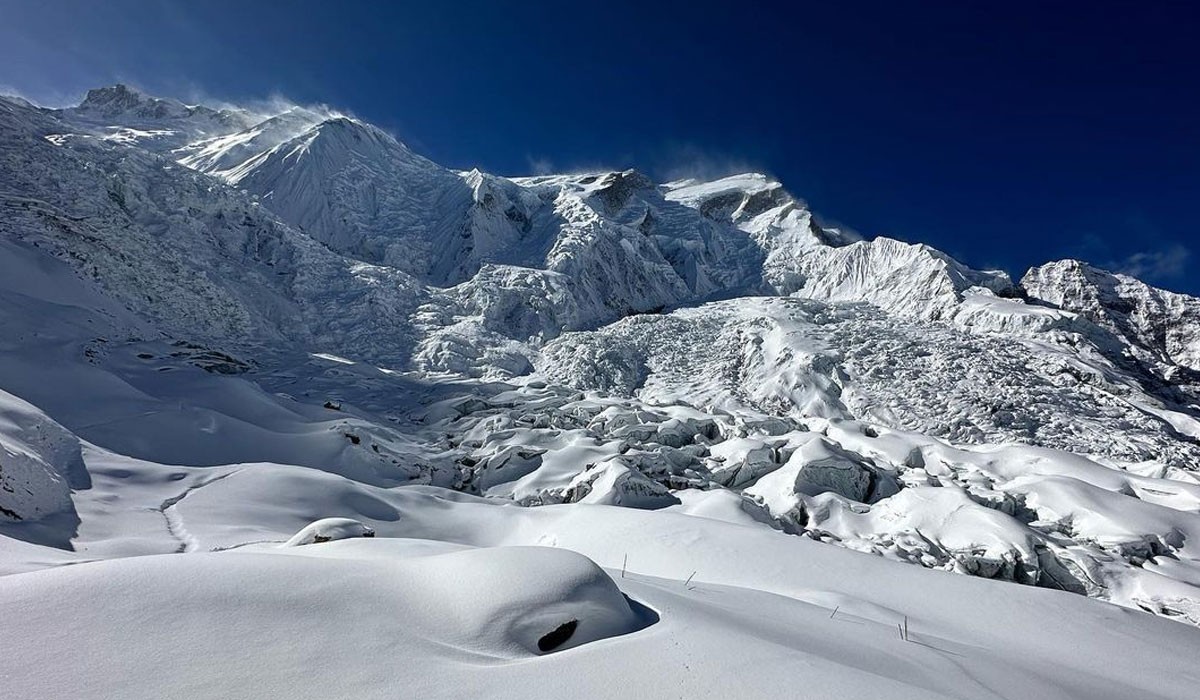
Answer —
349 131
120 100
118 97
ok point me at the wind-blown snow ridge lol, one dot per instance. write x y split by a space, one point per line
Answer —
293 317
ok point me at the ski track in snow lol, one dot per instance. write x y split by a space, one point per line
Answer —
174 521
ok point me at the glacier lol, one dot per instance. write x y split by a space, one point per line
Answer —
648 408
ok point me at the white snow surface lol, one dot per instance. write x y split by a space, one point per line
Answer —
708 446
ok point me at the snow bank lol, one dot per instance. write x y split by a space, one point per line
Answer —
39 462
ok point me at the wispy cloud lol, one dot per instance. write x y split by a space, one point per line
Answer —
43 98
270 106
539 165
1169 263
679 161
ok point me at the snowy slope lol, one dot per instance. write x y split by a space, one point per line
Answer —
356 189
764 615
220 155
222 326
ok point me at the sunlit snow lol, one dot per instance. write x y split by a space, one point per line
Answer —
289 410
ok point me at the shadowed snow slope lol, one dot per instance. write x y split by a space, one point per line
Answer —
463 394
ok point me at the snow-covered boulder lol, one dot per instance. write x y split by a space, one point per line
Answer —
617 484
818 466
329 529
740 461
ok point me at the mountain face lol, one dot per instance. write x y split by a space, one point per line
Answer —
202 287
1159 327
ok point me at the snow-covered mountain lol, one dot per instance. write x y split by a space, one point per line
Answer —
122 114
222 325
1158 327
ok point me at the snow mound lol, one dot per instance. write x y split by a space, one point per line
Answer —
352 625
329 529
513 601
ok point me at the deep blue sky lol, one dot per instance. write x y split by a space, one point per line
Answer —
1004 133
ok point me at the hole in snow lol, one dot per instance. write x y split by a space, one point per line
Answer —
558 637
